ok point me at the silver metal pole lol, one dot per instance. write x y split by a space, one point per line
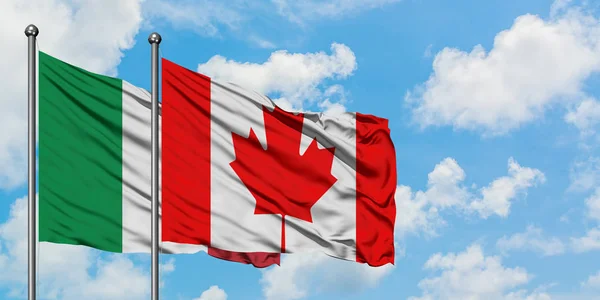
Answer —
154 39
31 32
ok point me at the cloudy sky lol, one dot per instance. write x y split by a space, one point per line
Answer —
493 106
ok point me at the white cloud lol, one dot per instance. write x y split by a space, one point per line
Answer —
301 274
592 204
301 11
214 18
559 6
524 295
585 117
585 175
213 293
533 240
415 214
117 278
261 42
89 276
533 65
202 16
68 30
496 197
472 275
589 242
273 77
420 211
444 185
592 282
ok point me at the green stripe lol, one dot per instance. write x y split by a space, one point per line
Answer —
80 156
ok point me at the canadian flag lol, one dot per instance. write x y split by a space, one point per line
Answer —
241 175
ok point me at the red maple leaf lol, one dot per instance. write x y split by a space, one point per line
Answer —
283 181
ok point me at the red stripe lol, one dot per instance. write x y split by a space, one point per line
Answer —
375 188
186 164
185 155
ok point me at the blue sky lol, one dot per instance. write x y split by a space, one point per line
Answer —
493 109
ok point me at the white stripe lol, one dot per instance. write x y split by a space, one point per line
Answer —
234 226
136 175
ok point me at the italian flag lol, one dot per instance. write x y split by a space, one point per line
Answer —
240 178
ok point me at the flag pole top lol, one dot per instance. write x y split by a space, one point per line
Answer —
32 30
154 38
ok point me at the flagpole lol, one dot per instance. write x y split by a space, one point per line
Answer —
154 39
31 32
